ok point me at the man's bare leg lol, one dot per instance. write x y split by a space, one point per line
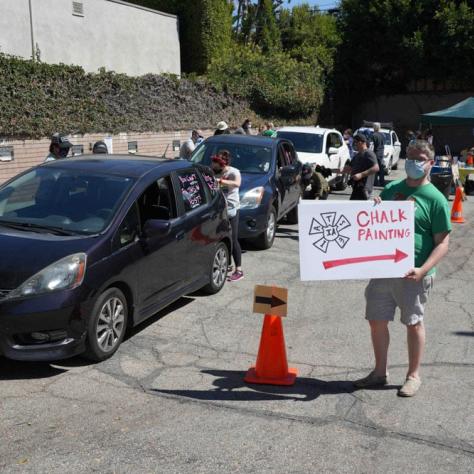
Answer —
380 343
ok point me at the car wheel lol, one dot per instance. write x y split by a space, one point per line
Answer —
265 240
218 271
107 325
389 168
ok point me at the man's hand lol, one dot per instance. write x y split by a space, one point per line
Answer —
377 200
357 176
415 274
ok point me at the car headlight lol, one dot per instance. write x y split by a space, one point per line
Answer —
252 199
65 274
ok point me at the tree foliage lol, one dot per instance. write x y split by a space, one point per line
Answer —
388 44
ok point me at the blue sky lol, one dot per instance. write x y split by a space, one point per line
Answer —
323 4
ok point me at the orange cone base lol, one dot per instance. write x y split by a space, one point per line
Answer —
289 379
458 220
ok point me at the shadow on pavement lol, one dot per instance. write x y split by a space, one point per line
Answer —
464 333
19 370
229 382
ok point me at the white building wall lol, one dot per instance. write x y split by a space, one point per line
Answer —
113 34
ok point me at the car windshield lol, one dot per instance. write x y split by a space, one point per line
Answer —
368 132
246 158
61 201
304 142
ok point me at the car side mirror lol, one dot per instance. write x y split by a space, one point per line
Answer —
397 144
156 228
333 150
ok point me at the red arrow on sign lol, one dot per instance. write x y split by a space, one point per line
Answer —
396 257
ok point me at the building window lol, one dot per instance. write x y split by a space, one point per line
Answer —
133 147
77 150
77 8
6 153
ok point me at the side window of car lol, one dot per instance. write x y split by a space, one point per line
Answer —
337 140
129 228
283 159
394 138
190 190
157 202
210 181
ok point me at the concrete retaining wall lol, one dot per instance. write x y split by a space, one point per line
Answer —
111 33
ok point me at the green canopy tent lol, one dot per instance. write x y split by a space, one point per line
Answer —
458 114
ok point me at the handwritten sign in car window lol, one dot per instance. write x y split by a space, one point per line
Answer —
211 182
191 190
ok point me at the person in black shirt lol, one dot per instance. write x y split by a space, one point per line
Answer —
362 168
379 145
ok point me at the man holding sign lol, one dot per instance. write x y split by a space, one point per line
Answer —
383 296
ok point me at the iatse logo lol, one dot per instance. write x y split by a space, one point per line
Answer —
328 227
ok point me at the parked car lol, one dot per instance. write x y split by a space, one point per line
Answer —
392 146
91 246
270 189
320 146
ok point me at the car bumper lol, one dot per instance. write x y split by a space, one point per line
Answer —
252 222
43 328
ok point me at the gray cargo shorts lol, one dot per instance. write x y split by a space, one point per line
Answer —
384 295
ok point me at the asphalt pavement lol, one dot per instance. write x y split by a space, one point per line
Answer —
173 399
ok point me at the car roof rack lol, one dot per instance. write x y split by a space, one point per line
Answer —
367 123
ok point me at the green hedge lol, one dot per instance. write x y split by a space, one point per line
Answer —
38 99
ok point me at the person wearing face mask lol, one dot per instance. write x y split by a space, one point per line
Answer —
59 147
383 296
229 179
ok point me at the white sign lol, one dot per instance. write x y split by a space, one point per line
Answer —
109 142
355 239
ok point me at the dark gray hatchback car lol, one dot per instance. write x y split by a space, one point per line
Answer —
90 246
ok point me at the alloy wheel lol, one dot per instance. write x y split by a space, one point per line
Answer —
110 324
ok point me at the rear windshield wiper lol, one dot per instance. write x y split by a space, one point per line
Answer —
37 227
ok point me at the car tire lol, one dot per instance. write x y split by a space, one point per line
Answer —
265 240
395 166
107 325
389 168
292 216
218 270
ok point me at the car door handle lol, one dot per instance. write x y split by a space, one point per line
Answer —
180 235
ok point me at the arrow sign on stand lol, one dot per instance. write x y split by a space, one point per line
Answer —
270 300
396 257
273 301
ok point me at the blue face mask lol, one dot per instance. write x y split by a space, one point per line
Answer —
415 169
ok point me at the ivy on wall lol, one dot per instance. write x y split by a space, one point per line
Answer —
38 99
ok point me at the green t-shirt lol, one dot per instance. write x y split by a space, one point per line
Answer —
432 214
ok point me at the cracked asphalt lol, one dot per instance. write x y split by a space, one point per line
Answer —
173 400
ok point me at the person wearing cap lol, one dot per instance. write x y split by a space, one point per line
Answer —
362 169
59 147
187 148
229 179
100 148
222 128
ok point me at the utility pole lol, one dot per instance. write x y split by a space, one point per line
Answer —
33 55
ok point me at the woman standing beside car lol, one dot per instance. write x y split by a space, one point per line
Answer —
229 179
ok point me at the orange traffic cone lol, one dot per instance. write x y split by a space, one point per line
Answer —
456 212
272 366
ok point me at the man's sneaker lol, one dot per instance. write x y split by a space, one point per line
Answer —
410 387
372 380
236 276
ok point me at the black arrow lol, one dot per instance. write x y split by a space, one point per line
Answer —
273 301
